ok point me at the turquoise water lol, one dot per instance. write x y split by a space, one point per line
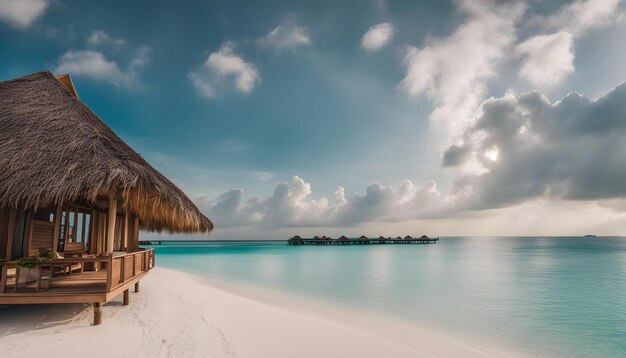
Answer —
550 297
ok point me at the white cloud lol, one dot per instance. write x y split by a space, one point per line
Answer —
222 66
89 63
549 58
22 13
288 36
95 65
291 205
452 71
377 36
583 15
99 37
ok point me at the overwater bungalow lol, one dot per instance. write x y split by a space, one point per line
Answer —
342 238
363 237
408 237
317 237
423 237
73 198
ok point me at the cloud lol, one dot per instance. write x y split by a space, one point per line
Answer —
455 155
89 63
102 38
549 57
291 205
288 36
94 63
22 13
530 151
224 66
572 149
452 71
583 15
377 36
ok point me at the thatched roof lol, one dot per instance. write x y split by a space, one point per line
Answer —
296 237
55 150
342 238
381 237
408 237
423 237
316 237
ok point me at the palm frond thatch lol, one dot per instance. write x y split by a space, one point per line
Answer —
55 150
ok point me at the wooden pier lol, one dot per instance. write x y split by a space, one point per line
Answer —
361 241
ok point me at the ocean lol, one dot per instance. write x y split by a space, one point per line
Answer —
546 296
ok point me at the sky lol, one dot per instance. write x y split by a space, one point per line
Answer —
464 118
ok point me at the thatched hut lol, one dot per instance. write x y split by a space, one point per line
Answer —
398 237
297 237
363 238
342 238
316 237
381 237
69 184
408 237
424 237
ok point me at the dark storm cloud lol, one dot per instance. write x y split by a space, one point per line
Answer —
574 149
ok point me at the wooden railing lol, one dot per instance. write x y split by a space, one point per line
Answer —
124 268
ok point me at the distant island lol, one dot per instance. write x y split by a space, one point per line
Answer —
589 235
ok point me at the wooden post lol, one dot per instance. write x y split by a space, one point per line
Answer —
28 234
3 279
125 232
93 232
135 234
10 234
57 228
137 286
97 313
126 297
111 226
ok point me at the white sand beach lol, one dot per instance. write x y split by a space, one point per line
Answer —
176 315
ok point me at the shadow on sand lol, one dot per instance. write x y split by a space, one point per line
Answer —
23 318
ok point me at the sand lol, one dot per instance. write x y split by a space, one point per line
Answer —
179 315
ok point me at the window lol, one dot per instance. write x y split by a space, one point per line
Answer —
75 228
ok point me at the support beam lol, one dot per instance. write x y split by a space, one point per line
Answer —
137 287
10 234
125 246
97 313
126 297
28 233
135 238
111 226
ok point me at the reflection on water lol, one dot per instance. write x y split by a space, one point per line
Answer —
565 295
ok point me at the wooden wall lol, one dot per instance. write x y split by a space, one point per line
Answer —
24 233
41 239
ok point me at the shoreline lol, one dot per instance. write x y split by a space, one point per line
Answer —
177 313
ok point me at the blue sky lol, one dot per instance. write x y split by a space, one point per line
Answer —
260 111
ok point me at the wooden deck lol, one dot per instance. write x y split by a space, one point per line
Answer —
115 276
359 241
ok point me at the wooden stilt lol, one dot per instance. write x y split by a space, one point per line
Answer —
97 313
137 287
126 297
